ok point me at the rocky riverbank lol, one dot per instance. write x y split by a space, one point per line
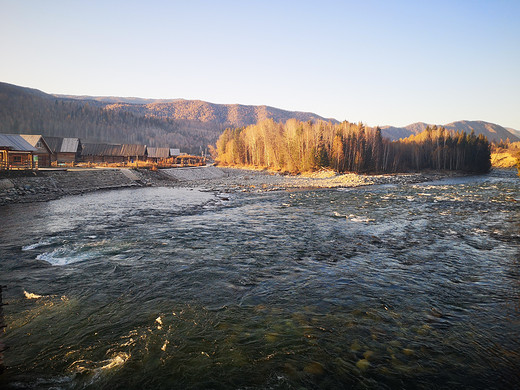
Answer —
241 180
44 185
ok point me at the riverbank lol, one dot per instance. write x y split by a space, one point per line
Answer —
241 180
47 185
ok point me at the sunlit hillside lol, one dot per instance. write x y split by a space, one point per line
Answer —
186 124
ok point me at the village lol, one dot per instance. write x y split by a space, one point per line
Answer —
33 152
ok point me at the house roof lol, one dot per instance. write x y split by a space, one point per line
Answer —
98 149
126 150
54 143
130 150
16 142
63 145
69 145
33 139
158 152
175 152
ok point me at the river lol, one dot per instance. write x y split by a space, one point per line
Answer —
391 286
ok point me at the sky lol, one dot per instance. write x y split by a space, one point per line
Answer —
377 62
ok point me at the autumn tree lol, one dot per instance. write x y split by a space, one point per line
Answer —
347 147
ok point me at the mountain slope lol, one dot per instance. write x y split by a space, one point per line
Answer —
221 115
186 124
24 110
198 110
396 133
492 131
513 131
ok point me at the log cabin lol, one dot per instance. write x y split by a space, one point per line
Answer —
113 153
43 153
16 152
158 154
64 150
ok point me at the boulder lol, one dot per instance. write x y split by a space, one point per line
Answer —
6 184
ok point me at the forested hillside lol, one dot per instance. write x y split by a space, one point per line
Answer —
493 132
28 111
221 115
190 125
347 147
185 124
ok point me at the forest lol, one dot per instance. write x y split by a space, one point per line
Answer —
186 124
26 111
296 146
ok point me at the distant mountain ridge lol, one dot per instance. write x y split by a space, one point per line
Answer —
228 115
513 131
492 131
241 115
186 124
116 99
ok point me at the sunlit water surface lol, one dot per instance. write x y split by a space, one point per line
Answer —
410 286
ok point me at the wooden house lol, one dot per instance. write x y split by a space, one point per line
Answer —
158 154
133 153
99 153
42 156
64 150
16 152
109 153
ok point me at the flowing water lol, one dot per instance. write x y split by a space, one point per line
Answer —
408 286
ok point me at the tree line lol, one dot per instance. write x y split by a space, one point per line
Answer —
297 146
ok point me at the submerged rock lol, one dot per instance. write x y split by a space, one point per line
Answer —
368 355
355 346
363 364
314 368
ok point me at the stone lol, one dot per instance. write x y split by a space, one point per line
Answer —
314 368
6 184
355 346
363 364
271 337
368 355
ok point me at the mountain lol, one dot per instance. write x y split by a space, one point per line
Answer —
492 131
221 115
185 124
513 131
116 99
395 133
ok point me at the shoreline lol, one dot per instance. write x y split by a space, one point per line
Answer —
45 185
247 180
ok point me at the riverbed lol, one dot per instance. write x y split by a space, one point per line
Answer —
407 285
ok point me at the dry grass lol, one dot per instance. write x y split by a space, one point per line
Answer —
503 159
322 174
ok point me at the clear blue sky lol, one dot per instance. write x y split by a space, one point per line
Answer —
379 62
